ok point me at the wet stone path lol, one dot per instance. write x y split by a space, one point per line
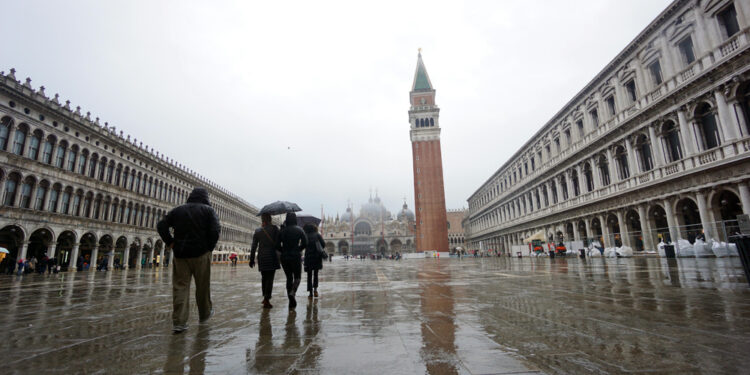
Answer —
448 316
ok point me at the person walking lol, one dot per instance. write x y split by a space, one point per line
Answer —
196 232
292 240
314 255
266 242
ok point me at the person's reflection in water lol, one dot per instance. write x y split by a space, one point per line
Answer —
264 346
291 339
311 328
199 350
175 363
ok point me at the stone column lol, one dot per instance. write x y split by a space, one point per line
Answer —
140 256
111 259
150 259
656 148
700 198
23 250
727 125
648 240
569 183
587 222
605 231
126 257
73 264
596 177
624 235
744 197
576 232
689 145
674 231
613 177
161 257
94 258
52 250
633 167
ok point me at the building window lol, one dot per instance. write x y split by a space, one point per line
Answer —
60 155
655 69
709 131
82 162
594 117
621 157
533 166
71 159
53 195
10 190
610 104
672 140
568 138
643 149
630 87
26 193
39 199
728 21
19 142
47 152
65 202
686 50
34 142
579 125
4 131
557 145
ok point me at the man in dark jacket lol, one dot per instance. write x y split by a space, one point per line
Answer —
196 231
293 240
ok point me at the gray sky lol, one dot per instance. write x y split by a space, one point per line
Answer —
307 101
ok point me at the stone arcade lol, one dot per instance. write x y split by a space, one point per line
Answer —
655 147
72 186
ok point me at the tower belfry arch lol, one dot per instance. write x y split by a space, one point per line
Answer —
429 191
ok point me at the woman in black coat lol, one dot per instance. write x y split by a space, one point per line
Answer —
266 241
314 256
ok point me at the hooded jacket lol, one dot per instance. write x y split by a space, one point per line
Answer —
196 227
313 257
293 239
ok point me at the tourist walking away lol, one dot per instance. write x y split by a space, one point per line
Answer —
196 231
292 240
266 242
314 255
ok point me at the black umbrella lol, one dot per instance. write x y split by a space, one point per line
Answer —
278 208
303 219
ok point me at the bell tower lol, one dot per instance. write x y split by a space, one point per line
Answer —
427 160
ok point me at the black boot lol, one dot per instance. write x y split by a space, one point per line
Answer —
292 302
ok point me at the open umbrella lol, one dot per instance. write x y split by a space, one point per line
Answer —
4 250
303 219
278 208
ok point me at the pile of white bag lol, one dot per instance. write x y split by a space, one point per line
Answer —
625 251
684 248
723 249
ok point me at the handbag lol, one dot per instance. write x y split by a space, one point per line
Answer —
322 253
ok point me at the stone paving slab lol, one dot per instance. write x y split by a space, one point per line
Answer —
450 316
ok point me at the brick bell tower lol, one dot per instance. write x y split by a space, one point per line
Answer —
429 193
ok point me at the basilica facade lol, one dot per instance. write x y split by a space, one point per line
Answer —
655 147
373 231
72 187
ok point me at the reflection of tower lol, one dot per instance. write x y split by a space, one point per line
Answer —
437 324
429 192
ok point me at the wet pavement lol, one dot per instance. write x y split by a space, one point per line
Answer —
448 316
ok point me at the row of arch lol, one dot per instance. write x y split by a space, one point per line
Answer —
699 129
711 214
34 144
616 163
39 194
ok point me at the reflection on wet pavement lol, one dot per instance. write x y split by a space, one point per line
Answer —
450 316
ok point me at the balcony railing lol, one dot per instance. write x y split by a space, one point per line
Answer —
716 155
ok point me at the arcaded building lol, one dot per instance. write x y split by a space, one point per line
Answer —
72 186
456 235
654 147
427 161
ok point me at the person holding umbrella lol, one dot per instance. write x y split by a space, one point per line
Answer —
292 240
314 255
266 242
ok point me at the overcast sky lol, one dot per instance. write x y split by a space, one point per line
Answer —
307 101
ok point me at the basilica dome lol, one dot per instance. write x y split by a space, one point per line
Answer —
405 214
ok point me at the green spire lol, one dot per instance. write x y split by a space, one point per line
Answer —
421 79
